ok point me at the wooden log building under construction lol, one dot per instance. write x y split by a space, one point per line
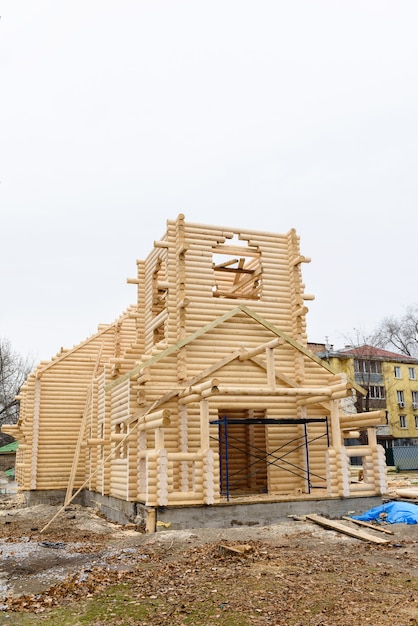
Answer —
202 394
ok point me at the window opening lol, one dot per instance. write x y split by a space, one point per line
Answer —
412 373
402 421
159 298
397 371
237 270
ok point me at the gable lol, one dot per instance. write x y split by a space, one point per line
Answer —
225 342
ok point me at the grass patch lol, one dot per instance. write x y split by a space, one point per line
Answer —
121 605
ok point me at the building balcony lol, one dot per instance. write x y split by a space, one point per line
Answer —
383 431
365 379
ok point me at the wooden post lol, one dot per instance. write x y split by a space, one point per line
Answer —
150 520
204 425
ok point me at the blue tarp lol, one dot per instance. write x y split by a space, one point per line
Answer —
394 513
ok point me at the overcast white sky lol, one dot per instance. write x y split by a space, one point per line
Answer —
117 115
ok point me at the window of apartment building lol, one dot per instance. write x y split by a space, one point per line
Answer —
377 392
397 371
366 366
416 421
414 399
401 398
412 373
402 421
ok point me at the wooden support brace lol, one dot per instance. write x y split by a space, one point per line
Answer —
249 354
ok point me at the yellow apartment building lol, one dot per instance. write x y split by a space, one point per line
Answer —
390 381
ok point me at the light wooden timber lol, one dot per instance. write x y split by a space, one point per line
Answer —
199 388
346 530
217 322
98 468
150 434
175 347
162 422
301 259
363 420
278 391
313 400
249 354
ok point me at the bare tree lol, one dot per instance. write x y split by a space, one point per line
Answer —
14 370
400 333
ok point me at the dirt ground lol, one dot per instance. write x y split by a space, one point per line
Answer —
293 573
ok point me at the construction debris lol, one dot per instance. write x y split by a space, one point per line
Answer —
373 526
346 530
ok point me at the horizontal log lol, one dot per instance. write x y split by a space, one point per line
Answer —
161 244
198 388
184 456
359 450
117 437
162 422
184 498
361 424
279 391
312 400
338 395
144 418
363 488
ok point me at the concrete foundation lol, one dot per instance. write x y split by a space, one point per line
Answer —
225 515
258 513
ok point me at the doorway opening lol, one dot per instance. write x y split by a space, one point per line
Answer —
242 452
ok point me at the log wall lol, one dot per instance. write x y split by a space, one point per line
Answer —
218 328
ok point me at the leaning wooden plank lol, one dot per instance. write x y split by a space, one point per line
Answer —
81 434
361 523
174 348
346 530
98 468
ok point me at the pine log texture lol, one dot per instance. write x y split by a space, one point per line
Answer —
216 335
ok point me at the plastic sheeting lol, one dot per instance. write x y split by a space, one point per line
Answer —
392 512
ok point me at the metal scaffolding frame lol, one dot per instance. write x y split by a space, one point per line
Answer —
227 441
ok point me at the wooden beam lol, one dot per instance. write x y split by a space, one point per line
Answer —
279 333
235 250
373 526
81 432
93 473
175 347
346 530
295 344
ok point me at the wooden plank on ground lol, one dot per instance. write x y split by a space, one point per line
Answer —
346 530
361 523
